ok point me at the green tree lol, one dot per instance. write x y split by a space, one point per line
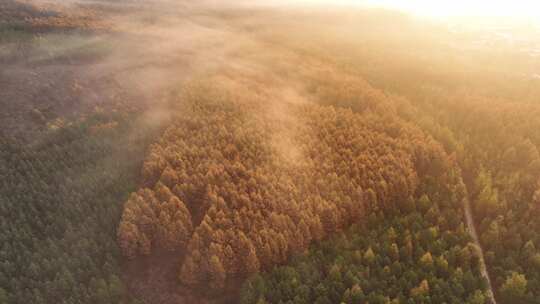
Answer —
116 289
3 296
427 261
477 298
369 256
514 288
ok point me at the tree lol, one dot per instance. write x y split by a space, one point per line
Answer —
116 289
427 261
442 266
529 249
424 203
145 245
394 252
128 238
369 256
487 200
169 177
190 272
101 294
465 256
3 296
514 288
253 289
536 197
420 290
329 219
535 260
477 298
217 273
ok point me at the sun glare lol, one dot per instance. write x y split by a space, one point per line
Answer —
529 9
487 8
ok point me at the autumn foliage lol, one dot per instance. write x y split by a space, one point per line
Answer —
259 184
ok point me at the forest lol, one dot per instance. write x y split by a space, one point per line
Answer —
171 153
56 251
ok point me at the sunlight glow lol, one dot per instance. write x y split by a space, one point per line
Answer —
515 9
488 8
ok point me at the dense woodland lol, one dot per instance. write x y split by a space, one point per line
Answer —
407 260
502 167
245 185
479 108
332 167
429 227
496 143
59 213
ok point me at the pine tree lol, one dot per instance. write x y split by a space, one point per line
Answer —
217 273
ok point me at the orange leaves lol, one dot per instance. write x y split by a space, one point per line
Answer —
190 273
153 220
128 236
249 206
217 273
536 197
169 177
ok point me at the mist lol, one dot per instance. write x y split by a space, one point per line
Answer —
141 51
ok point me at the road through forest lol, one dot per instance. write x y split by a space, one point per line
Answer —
476 240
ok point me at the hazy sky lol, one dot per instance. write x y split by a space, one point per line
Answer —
433 8
509 8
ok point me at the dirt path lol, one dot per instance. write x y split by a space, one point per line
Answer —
476 240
